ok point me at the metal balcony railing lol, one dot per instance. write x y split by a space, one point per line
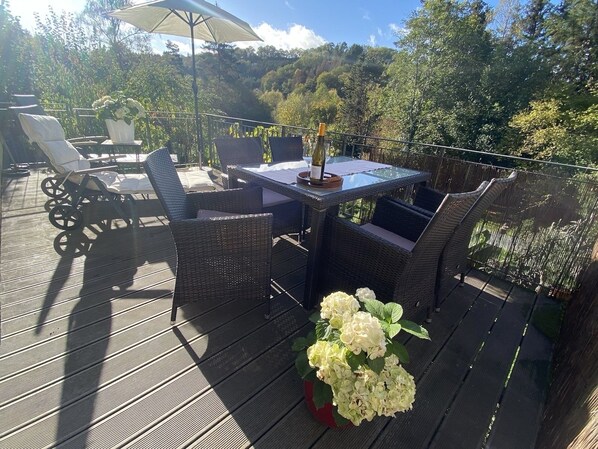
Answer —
538 234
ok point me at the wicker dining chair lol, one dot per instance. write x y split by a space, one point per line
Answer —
249 150
400 262
223 241
453 260
286 149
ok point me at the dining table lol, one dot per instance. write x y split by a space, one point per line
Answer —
360 178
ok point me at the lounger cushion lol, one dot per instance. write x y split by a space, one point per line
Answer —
389 236
41 128
47 132
64 156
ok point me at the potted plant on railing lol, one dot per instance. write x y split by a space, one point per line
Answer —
120 114
351 363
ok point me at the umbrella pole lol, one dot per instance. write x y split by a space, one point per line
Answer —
198 130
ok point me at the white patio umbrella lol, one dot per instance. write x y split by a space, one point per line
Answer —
196 19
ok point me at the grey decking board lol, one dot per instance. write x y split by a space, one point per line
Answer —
255 417
122 382
466 424
519 416
26 383
295 262
62 305
223 400
99 275
217 367
46 260
107 327
51 312
70 272
297 429
449 318
442 379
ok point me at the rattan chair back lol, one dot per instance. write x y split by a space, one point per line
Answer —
167 185
454 256
417 284
238 151
286 148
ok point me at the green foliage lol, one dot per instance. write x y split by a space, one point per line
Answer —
106 31
517 80
556 131
322 394
15 54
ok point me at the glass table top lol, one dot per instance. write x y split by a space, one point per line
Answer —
286 173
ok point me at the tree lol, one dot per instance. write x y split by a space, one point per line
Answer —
573 29
15 54
435 85
550 130
106 31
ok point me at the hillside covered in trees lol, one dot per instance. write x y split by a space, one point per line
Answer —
520 79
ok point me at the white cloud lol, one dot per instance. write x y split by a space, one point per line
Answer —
372 40
296 36
288 5
184 47
396 30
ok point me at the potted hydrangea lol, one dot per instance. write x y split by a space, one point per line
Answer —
120 114
352 363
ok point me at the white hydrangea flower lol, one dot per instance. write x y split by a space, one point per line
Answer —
369 394
363 294
337 308
331 361
364 333
120 113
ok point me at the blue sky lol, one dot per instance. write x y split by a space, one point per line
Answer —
285 24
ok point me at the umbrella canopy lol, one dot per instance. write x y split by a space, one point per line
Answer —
178 17
196 19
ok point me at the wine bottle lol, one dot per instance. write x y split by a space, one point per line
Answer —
318 158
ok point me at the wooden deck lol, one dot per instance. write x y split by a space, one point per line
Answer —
88 358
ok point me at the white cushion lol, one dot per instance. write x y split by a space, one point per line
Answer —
270 198
47 132
40 128
63 155
125 184
195 180
389 236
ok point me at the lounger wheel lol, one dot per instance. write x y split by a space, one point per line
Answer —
66 217
74 244
54 188
53 202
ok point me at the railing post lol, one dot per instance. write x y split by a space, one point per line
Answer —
441 159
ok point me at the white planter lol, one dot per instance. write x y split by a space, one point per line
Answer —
120 132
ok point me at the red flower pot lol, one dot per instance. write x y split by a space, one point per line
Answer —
324 414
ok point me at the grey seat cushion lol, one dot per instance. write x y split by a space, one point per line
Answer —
389 236
270 198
